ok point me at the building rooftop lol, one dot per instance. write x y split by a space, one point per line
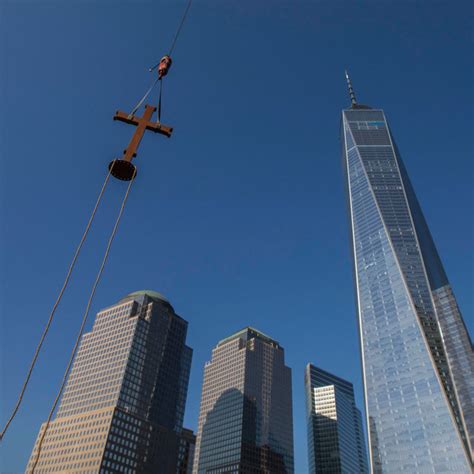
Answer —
249 332
152 294
321 378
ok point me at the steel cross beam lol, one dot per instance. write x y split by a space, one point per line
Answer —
123 168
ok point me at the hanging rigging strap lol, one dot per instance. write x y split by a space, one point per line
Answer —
140 102
158 113
53 311
84 319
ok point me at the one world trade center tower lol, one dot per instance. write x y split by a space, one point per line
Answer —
417 356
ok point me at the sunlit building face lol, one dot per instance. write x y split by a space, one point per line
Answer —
335 435
123 406
417 356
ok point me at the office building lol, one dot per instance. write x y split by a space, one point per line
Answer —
245 421
187 445
417 356
335 437
123 406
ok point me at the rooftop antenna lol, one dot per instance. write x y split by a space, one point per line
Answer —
351 90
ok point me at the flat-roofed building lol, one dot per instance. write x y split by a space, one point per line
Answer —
245 421
123 406
335 437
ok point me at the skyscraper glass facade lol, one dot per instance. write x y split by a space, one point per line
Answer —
122 408
245 420
335 437
417 356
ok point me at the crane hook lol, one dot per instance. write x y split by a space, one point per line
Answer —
163 66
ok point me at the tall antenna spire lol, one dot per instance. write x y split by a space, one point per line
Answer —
351 90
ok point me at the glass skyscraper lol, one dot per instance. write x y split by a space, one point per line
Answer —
417 356
335 437
123 406
245 420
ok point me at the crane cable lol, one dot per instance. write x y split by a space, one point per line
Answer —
160 79
178 32
55 306
84 319
180 27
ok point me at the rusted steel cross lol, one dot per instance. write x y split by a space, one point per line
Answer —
123 168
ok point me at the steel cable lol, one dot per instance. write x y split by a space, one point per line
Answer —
56 304
178 31
84 319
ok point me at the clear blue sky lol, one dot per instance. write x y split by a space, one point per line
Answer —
239 218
